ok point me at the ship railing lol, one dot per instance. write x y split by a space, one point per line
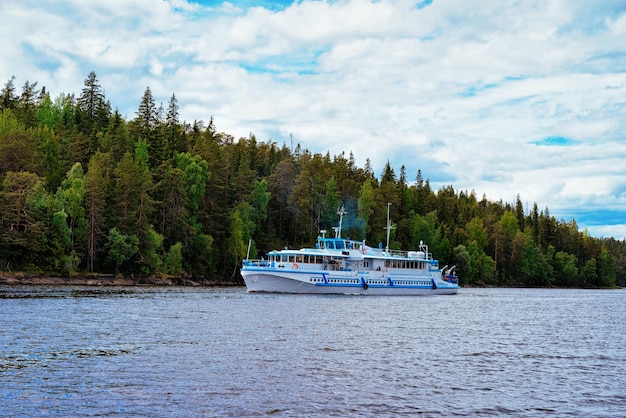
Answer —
397 253
256 263
272 264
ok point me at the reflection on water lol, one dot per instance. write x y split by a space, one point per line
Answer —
149 351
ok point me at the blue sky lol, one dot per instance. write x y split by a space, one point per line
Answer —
502 98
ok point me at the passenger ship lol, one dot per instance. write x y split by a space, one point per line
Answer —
343 266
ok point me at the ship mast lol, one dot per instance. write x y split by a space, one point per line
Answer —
341 211
389 227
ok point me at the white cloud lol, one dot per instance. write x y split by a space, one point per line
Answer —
462 89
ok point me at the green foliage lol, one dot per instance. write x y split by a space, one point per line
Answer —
236 249
19 150
476 232
366 200
49 114
173 261
150 243
425 228
195 253
606 269
121 248
8 97
97 183
482 267
195 176
463 262
566 272
22 206
331 204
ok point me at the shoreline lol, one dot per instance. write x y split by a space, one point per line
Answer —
104 280
25 279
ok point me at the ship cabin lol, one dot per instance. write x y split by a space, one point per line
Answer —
340 254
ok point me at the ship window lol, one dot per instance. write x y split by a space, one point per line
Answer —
330 245
298 259
339 245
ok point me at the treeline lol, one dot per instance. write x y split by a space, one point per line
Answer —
84 190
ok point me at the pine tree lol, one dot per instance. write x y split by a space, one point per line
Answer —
95 204
174 134
147 126
94 110
8 97
27 105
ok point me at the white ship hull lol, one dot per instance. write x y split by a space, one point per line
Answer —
315 282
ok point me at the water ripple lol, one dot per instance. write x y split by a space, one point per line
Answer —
221 352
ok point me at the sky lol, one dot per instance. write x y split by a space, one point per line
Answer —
502 98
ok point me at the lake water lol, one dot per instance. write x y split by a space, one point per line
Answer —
194 352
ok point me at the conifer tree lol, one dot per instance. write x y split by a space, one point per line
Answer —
8 97
174 133
27 104
94 111
96 187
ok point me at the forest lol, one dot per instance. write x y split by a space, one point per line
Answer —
85 191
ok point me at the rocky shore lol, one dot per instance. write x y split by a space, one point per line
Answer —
108 280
